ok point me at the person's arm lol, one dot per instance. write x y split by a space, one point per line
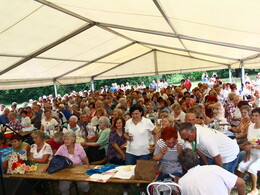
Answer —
202 156
41 128
156 135
160 155
241 186
119 150
85 160
218 161
26 148
91 144
44 159
128 138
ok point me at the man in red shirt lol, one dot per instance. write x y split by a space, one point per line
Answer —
187 84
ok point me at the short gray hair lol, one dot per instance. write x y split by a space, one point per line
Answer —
74 117
58 137
70 134
186 126
105 121
188 159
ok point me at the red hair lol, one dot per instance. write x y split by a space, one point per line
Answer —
212 98
168 133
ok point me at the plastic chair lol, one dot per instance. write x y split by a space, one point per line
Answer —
164 188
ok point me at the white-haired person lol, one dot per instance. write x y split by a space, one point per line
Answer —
251 162
97 151
73 126
77 155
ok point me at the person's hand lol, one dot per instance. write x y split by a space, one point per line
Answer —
83 144
164 149
247 158
123 156
247 148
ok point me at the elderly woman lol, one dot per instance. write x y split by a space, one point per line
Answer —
48 124
215 107
177 114
251 162
137 132
40 152
77 155
166 152
242 127
98 150
117 142
19 145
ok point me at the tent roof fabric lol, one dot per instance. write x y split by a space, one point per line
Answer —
75 41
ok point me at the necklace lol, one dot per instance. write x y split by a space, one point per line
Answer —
38 148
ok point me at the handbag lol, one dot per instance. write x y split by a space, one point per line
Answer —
59 162
145 170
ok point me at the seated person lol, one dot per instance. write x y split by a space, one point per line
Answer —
117 142
14 123
48 123
25 120
166 152
40 152
3 141
242 128
77 155
73 126
98 150
56 141
19 145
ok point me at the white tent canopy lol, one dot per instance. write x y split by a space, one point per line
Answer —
74 41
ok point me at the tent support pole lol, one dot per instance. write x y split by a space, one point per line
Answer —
230 74
55 88
92 84
242 75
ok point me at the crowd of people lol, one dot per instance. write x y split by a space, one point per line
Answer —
165 123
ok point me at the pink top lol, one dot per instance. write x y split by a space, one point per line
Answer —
77 157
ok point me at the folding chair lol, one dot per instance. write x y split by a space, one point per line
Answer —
164 188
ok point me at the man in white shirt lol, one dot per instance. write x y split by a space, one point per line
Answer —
208 179
212 146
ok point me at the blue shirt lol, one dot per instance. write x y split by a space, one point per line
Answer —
4 119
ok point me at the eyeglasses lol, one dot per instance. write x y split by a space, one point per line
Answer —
187 139
200 117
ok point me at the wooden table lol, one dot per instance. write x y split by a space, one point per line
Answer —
73 173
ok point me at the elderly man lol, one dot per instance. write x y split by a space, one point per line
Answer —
212 146
190 117
4 116
82 123
208 179
14 123
72 126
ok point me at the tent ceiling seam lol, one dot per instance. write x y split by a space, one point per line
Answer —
191 51
122 63
45 48
21 19
99 58
194 58
168 34
166 18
